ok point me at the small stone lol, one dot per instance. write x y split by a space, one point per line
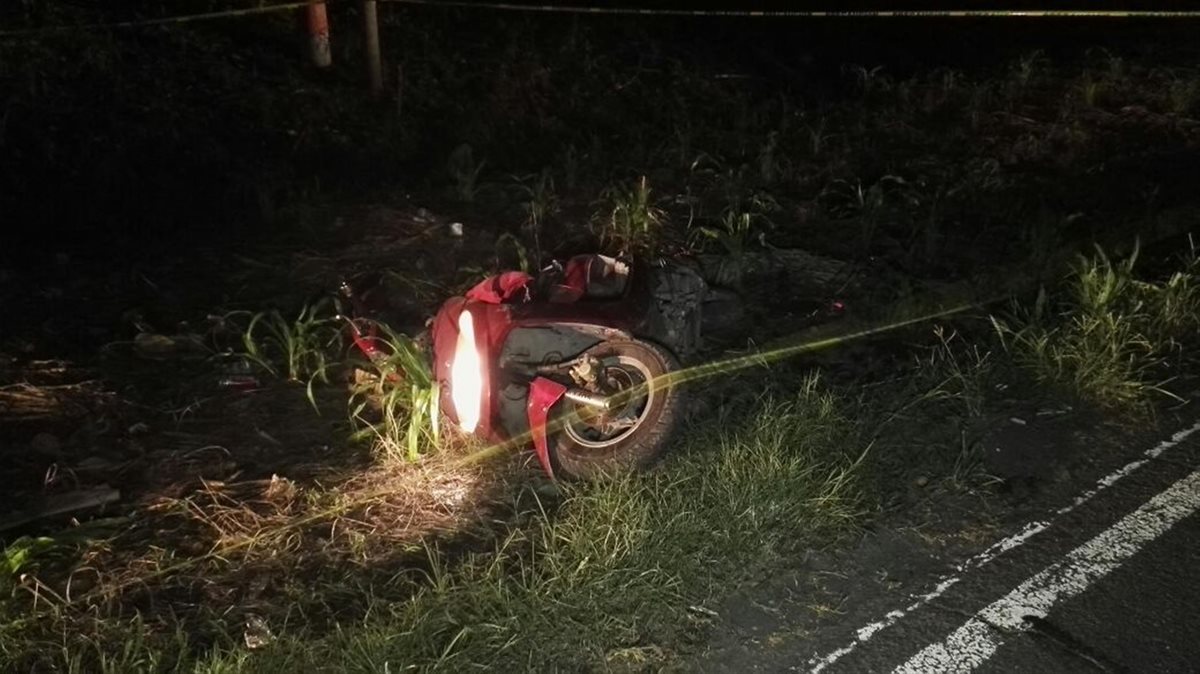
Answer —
456 229
922 482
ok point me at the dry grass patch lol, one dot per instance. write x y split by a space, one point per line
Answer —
198 564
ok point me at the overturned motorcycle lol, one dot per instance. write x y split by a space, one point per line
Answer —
575 359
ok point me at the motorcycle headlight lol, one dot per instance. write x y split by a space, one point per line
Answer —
466 375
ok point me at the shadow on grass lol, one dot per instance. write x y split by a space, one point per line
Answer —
593 572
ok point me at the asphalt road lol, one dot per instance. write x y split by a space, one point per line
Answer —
1106 580
1143 617
1066 604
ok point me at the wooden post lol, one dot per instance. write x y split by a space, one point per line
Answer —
318 34
374 60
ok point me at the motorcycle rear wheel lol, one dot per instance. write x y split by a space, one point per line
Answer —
630 437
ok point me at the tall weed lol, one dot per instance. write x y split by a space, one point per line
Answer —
630 221
396 407
1106 339
298 349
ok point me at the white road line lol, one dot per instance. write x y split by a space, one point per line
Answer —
865 633
977 639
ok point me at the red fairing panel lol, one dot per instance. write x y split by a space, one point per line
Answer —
511 286
543 393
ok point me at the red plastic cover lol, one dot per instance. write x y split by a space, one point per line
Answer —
511 286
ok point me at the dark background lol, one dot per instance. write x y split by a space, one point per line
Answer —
126 142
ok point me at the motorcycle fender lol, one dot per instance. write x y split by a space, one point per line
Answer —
543 393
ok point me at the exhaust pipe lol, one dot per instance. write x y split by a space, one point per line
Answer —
588 398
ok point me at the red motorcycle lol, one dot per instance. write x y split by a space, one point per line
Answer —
574 359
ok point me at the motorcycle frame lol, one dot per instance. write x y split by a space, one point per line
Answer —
608 319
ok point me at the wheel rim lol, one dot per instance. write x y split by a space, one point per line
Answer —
595 431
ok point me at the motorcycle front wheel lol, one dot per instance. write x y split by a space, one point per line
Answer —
634 432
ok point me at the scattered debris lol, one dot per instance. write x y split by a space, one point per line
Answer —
257 633
26 402
242 382
280 490
73 502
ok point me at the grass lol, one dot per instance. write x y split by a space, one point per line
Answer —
20 553
569 580
298 349
540 203
733 234
1105 339
962 371
464 171
887 202
562 103
405 564
617 574
396 406
744 221
611 566
319 553
630 222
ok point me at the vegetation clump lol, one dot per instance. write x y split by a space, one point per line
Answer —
1107 337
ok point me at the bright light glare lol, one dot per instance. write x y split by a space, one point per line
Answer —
466 375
